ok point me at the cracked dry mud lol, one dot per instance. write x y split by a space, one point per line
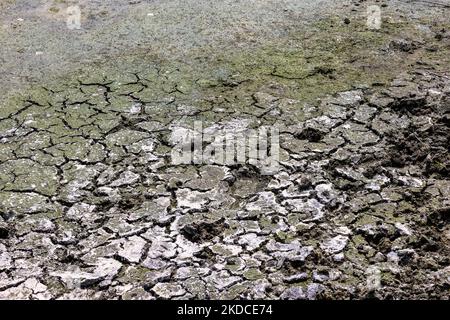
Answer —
92 208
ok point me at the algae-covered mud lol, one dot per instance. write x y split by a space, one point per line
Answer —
92 205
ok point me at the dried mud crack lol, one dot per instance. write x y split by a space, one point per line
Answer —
92 207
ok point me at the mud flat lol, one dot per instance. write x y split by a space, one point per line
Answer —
91 206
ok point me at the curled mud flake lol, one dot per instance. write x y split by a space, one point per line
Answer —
156 210
210 176
162 247
403 45
251 241
326 193
314 290
358 135
299 277
309 209
222 280
29 289
335 245
204 231
265 202
77 279
81 211
311 134
339 257
137 294
349 98
293 293
364 113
